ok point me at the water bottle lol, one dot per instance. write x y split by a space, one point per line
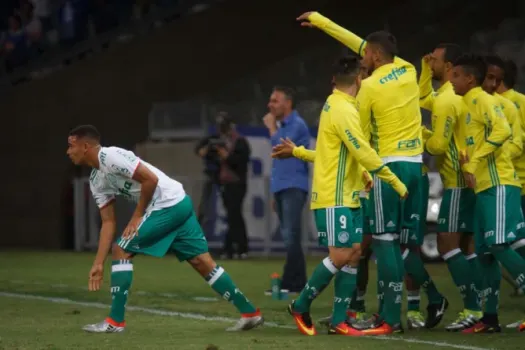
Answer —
276 286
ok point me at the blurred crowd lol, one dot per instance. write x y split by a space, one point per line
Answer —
31 27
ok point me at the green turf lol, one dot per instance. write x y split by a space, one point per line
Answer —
168 285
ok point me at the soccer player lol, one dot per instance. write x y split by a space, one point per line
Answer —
163 221
388 104
340 155
488 169
455 220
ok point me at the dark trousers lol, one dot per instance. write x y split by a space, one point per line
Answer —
203 213
232 198
289 205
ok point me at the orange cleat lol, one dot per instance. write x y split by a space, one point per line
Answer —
302 320
383 329
344 328
481 327
521 328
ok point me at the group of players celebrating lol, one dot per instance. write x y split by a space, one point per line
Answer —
369 192
370 187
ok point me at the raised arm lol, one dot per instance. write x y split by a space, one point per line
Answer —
426 92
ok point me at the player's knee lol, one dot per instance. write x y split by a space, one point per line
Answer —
446 242
344 256
117 253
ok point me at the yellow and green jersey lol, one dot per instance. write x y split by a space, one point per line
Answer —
519 101
341 155
448 136
514 145
486 131
388 100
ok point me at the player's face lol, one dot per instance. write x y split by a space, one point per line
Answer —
460 80
493 79
76 149
368 58
437 64
278 104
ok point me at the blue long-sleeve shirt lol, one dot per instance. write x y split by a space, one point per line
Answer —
291 172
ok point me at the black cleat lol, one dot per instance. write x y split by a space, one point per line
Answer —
435 313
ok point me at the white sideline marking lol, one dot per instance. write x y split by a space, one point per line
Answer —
213 318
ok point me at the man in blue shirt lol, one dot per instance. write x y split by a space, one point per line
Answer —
289 183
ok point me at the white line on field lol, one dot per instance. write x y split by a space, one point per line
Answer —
214 318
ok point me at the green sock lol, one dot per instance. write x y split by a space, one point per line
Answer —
512 261
416 268
220 281
345 281
460 269
520 251
121 278
323 274
358 296
391 279
413 300
478 284
492 273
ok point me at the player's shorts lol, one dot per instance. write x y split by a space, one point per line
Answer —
387 212
498 215
364 212
457 210
170 229
521 229
417 237
339 227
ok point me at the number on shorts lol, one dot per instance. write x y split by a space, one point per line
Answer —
342 221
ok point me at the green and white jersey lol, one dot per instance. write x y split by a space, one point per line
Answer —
114 178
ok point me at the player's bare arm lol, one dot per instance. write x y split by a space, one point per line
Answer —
148 183
106 239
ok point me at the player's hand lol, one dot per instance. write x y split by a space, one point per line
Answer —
284 149
270 121
203 151
305 22
367 180
470 179
96 275
428 58
223 153
132 229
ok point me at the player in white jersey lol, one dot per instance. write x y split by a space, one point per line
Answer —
163 221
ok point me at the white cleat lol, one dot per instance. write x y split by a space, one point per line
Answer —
514 325
102 327
247 322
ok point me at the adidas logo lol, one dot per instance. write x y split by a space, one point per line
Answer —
414 237
390 224
511 235
463 225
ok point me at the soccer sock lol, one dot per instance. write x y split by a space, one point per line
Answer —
413 300
220 281
391 279
323 274
512 261
121 278
478 284
345 281
358 297
460 269
492 273
416 268
519 247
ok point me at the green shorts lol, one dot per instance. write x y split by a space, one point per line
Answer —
498 215
366 220
387 212
170 229
521 229
457 210
339 227
417 237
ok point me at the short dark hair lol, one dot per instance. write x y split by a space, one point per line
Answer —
346 69
384 40
473 64
452 52
87 131
287 91
495 60
511 73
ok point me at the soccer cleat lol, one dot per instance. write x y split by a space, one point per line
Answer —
415 320
384 329
521 328
514 325
247 322
353 317
466 319
106 326
371 322
344 328
435 313
302 320
481 327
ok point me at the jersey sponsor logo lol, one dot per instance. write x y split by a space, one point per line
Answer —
393 75
489 234
359 231
314 197
415 216
103 157
520 226
396 286
442 221
343 237
321 234
352 139
409 144
121 170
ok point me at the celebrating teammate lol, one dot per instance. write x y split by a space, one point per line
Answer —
488 169
455 220
163 221
388 104
340 155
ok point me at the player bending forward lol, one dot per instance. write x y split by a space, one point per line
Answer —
163 221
